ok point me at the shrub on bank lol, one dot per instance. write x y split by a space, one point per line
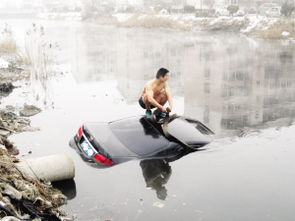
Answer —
287 8
233 9
277 30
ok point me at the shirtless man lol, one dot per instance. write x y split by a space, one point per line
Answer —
156 93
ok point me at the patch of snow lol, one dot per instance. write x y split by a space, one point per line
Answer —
163 12
254 21
3 63
285 33
141 17
174 17
72 16
189 18
121 17
218 20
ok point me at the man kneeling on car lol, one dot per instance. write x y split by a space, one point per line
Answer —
156 93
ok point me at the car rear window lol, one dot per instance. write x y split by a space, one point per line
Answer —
184 131
138 135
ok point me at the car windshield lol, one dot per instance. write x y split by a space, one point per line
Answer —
138 135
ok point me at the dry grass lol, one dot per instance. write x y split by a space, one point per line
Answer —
8 46
275 31
7 41
22 59
150 21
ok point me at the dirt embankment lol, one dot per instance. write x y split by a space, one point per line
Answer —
21 196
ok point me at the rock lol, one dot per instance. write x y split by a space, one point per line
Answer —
6 88
29 110
12 123
3 150
4 133
10 190
10 108
11 149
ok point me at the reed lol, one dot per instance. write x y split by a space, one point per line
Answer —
7 41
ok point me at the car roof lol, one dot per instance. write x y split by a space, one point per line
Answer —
139 135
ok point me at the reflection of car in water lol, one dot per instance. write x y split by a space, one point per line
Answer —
110 143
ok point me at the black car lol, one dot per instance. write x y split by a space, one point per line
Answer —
110 143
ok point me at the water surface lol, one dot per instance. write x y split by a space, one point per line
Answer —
232 83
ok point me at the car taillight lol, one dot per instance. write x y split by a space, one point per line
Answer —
80 131
103 160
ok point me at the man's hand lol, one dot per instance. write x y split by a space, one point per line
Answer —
163 109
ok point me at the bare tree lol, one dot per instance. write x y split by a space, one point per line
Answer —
209 3
287 8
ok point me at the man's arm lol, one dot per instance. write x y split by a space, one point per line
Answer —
169 96
151 100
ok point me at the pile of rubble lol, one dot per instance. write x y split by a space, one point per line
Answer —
24 197
21 196
12 123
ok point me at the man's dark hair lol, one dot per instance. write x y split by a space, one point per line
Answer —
161 72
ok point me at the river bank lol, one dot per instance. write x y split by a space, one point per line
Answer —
251 25
21 196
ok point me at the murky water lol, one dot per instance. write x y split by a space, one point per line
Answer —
230 82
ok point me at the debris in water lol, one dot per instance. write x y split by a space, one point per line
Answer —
6 88
158 204
29 110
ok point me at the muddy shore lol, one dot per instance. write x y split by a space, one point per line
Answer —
21 196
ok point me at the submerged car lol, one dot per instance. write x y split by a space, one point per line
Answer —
110 143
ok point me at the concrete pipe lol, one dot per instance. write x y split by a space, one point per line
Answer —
50 168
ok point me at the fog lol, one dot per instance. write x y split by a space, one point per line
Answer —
232 66
137 5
